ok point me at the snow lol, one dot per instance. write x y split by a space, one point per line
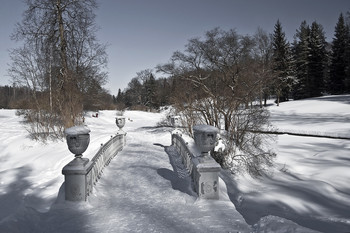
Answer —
220 146
145 188
205 128
75 130
310 181
327 115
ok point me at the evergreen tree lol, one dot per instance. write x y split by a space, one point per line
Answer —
119 101
119 98
317 60
164 91
133 93
338 60
150 87
301 53
282 64
347 54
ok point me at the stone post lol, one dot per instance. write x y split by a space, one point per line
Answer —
206 178
75 172
206 171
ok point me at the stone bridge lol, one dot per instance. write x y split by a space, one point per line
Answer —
81 174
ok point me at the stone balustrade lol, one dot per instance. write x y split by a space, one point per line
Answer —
203 170
102 159
81 174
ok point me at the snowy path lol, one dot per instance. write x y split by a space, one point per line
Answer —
141 192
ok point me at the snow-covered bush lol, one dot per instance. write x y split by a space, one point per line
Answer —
246 147
42 125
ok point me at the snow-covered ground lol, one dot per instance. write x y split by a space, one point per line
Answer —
144 189
329 116
310 183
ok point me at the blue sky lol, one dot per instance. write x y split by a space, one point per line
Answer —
144 33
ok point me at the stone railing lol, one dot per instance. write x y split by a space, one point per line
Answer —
102 159
81 174
203 170
181 147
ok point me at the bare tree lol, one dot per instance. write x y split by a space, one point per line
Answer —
263 53
61 60
219 85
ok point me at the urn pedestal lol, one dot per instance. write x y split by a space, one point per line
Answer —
206 178
78 139
206 171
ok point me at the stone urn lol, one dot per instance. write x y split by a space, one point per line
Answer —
175 121
120 121
205 138
78 139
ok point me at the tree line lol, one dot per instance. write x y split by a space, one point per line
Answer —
20 97
308 67
144 92
12 97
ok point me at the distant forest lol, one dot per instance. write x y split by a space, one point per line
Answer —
14 97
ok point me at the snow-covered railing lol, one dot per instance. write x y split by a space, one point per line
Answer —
81 174
102 159
203 170
181 147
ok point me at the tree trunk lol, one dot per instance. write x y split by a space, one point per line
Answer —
67 88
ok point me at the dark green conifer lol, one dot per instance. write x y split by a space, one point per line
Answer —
317 60
338 59
283 67
301 53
